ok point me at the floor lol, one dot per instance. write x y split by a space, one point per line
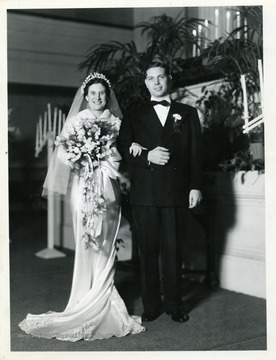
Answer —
219 319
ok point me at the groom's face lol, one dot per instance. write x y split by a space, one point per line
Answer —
157 82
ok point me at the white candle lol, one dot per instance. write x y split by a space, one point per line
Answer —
245 28
260 68
63 119
37 139
45 126
199 39
40 131
206 23
49 118
216 23
55 122
59 122
194 43
228 15
245 104
238 24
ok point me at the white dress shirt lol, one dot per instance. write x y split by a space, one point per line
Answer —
162 111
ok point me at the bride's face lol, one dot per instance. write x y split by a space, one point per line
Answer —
96 97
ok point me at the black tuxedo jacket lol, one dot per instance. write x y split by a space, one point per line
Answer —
170 184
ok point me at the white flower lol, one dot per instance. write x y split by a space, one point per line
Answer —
81 133
177 117
76 150
101 200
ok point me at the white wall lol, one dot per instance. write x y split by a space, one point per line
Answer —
239 231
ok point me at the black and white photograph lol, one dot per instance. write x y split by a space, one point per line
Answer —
137 164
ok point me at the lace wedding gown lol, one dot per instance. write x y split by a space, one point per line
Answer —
95 310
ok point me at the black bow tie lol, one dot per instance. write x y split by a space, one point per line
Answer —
163 102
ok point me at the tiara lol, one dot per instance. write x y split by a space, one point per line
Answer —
91 76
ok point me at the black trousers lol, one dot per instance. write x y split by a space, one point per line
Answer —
160 232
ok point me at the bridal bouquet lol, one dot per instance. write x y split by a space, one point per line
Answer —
88 140
84 144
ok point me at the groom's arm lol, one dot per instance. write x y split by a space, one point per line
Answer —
125 139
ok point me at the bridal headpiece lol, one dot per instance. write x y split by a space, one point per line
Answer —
91 76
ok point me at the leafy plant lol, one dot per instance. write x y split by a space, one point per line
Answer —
228 147
167 40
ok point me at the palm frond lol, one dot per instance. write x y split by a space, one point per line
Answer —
104 54
169 35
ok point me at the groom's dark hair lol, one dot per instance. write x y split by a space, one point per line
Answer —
157 64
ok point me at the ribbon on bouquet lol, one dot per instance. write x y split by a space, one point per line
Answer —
105 172
108 172
103 188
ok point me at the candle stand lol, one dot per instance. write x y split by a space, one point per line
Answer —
46 134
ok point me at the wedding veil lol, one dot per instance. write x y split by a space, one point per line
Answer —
58 175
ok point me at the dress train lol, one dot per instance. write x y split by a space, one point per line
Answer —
95 310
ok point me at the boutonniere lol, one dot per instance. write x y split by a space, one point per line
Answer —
177 123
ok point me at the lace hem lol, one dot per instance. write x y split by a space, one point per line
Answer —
130 324
126 324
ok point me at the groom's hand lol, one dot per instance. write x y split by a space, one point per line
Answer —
159 155
195 198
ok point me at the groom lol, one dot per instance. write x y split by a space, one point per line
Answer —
165 183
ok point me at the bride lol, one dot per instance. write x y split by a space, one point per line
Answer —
83 172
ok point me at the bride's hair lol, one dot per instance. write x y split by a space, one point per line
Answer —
96 81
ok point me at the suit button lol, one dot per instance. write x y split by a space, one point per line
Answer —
151 169
174 168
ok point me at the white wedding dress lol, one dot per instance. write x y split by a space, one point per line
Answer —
95 310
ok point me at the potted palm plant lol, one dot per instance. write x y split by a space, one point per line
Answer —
167 39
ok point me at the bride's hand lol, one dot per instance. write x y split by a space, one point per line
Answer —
136 149
115 154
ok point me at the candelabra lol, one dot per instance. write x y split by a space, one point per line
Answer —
47 128
46 131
